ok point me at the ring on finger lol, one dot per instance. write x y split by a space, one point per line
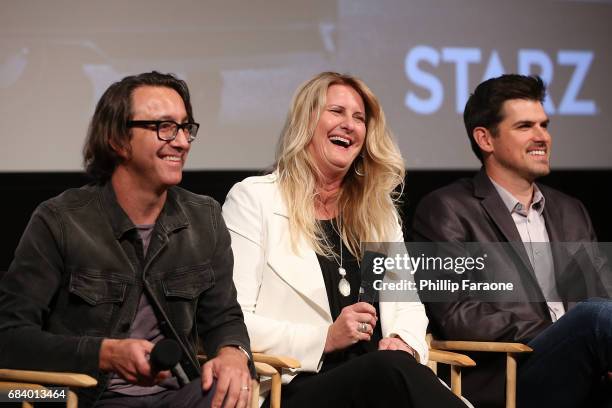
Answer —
244 388
362 327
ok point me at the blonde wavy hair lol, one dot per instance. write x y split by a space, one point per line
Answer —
366 202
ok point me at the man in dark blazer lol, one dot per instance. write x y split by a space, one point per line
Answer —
572 342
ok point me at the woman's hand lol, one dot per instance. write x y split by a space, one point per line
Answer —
345 331
395 343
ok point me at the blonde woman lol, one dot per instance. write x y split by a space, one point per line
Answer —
296 236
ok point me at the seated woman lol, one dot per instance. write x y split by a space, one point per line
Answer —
297 235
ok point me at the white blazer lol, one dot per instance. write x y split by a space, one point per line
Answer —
282 293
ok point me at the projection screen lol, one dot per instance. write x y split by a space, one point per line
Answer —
243 61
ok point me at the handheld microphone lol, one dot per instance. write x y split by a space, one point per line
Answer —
166 355
367 293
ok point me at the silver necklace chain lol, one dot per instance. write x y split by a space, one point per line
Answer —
344 287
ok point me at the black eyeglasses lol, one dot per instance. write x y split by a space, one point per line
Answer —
168 129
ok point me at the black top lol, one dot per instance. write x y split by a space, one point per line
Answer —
331 277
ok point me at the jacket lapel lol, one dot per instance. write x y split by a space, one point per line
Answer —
568 284
495 208
552 219
299 270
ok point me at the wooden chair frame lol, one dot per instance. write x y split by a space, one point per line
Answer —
265 365
510 349
278 363
36 380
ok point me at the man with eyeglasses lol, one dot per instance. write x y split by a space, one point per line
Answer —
104 272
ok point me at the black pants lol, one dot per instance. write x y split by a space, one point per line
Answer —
377 379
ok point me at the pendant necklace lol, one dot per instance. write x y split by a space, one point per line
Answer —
344 287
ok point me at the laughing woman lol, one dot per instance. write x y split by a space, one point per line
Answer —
296 236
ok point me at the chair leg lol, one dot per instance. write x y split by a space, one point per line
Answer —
72 400
433 366
510 380
275 391
456 380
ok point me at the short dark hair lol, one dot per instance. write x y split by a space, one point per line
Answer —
109 121
484 106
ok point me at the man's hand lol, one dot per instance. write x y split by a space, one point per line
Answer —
230 368
345 331
129 358
395 343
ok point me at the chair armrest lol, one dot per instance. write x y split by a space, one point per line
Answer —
486 346
264 369
271 366
510 349
447 357
276 361
48 377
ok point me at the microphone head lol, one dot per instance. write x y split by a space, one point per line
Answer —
165 354
367 293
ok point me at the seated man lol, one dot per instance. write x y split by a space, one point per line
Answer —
508 130
105 271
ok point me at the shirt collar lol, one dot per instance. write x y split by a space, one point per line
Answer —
172 216
514 205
